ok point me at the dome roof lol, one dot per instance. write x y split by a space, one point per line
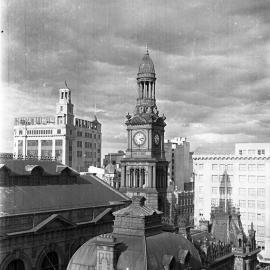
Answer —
145 252
146 66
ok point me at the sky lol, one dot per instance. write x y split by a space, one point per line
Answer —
212 62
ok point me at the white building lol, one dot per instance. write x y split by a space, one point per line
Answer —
244 179
72 141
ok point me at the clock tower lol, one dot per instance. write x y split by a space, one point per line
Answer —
144 169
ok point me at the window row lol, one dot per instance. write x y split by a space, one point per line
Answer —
221 190
252 178
252 216
252 152
251 167
37 132
252 191
252 204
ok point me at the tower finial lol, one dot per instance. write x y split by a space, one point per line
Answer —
95 111
146 48
66 84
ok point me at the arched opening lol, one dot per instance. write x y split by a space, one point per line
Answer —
131 177
50 261
240 242
16 265
143 177
137 175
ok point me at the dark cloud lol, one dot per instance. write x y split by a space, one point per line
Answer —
212 61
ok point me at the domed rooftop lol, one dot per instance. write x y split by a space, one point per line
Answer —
146 67
137 243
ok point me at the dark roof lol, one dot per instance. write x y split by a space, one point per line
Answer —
26 199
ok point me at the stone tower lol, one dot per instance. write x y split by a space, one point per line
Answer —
144 169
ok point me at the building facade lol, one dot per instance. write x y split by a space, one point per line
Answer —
177 153
242 180
48 211
114 158
144 168
70 140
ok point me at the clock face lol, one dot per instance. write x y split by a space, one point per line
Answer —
139 138
156 139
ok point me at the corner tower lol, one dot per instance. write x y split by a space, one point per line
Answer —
144 169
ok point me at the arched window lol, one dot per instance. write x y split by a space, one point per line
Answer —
137 175
16 265
131 177
50 261
143 176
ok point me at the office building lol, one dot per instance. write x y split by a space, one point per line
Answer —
114 158
241 180
177 153
70 140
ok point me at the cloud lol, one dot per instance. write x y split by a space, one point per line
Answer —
212 60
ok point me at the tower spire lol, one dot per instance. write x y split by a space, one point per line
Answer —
146 48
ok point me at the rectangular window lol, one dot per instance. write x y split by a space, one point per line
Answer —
242 167
200 177
214 167
261 167
201 190
230 167
261 216
230 178
261 204
260 230
229 190
79 153
222 167
79 144
251 204
252 216
261 192
252 167
46 142
261 179
252 178
214 190
242 203
58 142
200 166
242 191
46 153
215 179
242 178
252 192
240 152
58 131
32 143
221 190
251 152
201 201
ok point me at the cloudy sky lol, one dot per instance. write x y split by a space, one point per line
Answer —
212 60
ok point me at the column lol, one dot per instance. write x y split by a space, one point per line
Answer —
153 181
53 148
39 148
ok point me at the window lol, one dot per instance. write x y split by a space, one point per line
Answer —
242 167
95 136
46 142
252 192
222 190
230 167
260 230
58 131
243 178
200 177
221 167
214 190
200 166
215 179
229 190
251 204
79 153
251 152
240 152
242 191
251 216
201 201
58 142
214 167
261 204
79 144
230 178
261 179
252 167
260 216
252 178
88 154
32 143
261 192
201 190
242 203
261 167
79 133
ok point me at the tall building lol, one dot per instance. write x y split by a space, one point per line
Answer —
177 153
242 180
144 169
72 141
